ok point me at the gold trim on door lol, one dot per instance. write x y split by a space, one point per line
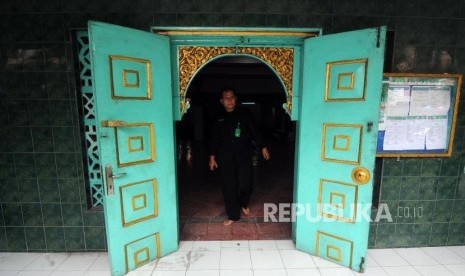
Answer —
352 205
323 143
321 233
146 62
157 248
364 61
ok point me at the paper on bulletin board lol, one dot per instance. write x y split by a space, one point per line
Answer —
436 135
430 100
405 133
398 101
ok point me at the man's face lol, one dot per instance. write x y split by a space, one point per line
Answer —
228 100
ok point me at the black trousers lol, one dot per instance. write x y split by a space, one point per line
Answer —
236 179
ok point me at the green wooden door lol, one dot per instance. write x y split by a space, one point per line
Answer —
338 125
131 74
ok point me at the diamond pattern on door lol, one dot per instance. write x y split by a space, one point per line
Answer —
130 78
135 144
341 143
139 202
140 252
346 80
334 248
338 200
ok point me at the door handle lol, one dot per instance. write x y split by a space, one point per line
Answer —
118 175
109 180
113 123
109 176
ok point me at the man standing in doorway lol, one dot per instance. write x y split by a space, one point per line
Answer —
232 147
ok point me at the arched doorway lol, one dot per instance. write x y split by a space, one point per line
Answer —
201 207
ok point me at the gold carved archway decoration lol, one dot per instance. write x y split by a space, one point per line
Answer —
191 58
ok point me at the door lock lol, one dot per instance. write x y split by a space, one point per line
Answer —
360 175
118 175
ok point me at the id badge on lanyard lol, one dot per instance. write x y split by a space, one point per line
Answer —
237 131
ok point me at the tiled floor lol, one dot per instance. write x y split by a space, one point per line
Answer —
243 258
201 208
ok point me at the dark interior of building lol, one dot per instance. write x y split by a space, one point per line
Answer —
201 205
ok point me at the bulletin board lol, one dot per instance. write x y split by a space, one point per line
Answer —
418 115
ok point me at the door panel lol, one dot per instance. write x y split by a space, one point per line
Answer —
131 74
337 135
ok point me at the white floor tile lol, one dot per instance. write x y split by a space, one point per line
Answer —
303 272
101 263
415 256
434 270
319 262
48 261
17 261
371 262
459 270
206 246
5 254
372 271
263 245
78 261
174 261
459 250
242 258
97 273
235 260
387 257
234 244
204 260
336 271
67 273
267 259
148 267
269 272
203 273
9 272
443 255
401 271
185 245
235 272
33 273
139 273
285 244
169 273
296 259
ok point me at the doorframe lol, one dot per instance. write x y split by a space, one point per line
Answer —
279 48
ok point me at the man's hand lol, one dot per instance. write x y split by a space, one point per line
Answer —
212 164
266 154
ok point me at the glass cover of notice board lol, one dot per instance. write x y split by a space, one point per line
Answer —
418 114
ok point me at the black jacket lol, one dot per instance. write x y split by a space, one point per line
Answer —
223 137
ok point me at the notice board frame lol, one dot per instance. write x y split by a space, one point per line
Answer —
419 79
